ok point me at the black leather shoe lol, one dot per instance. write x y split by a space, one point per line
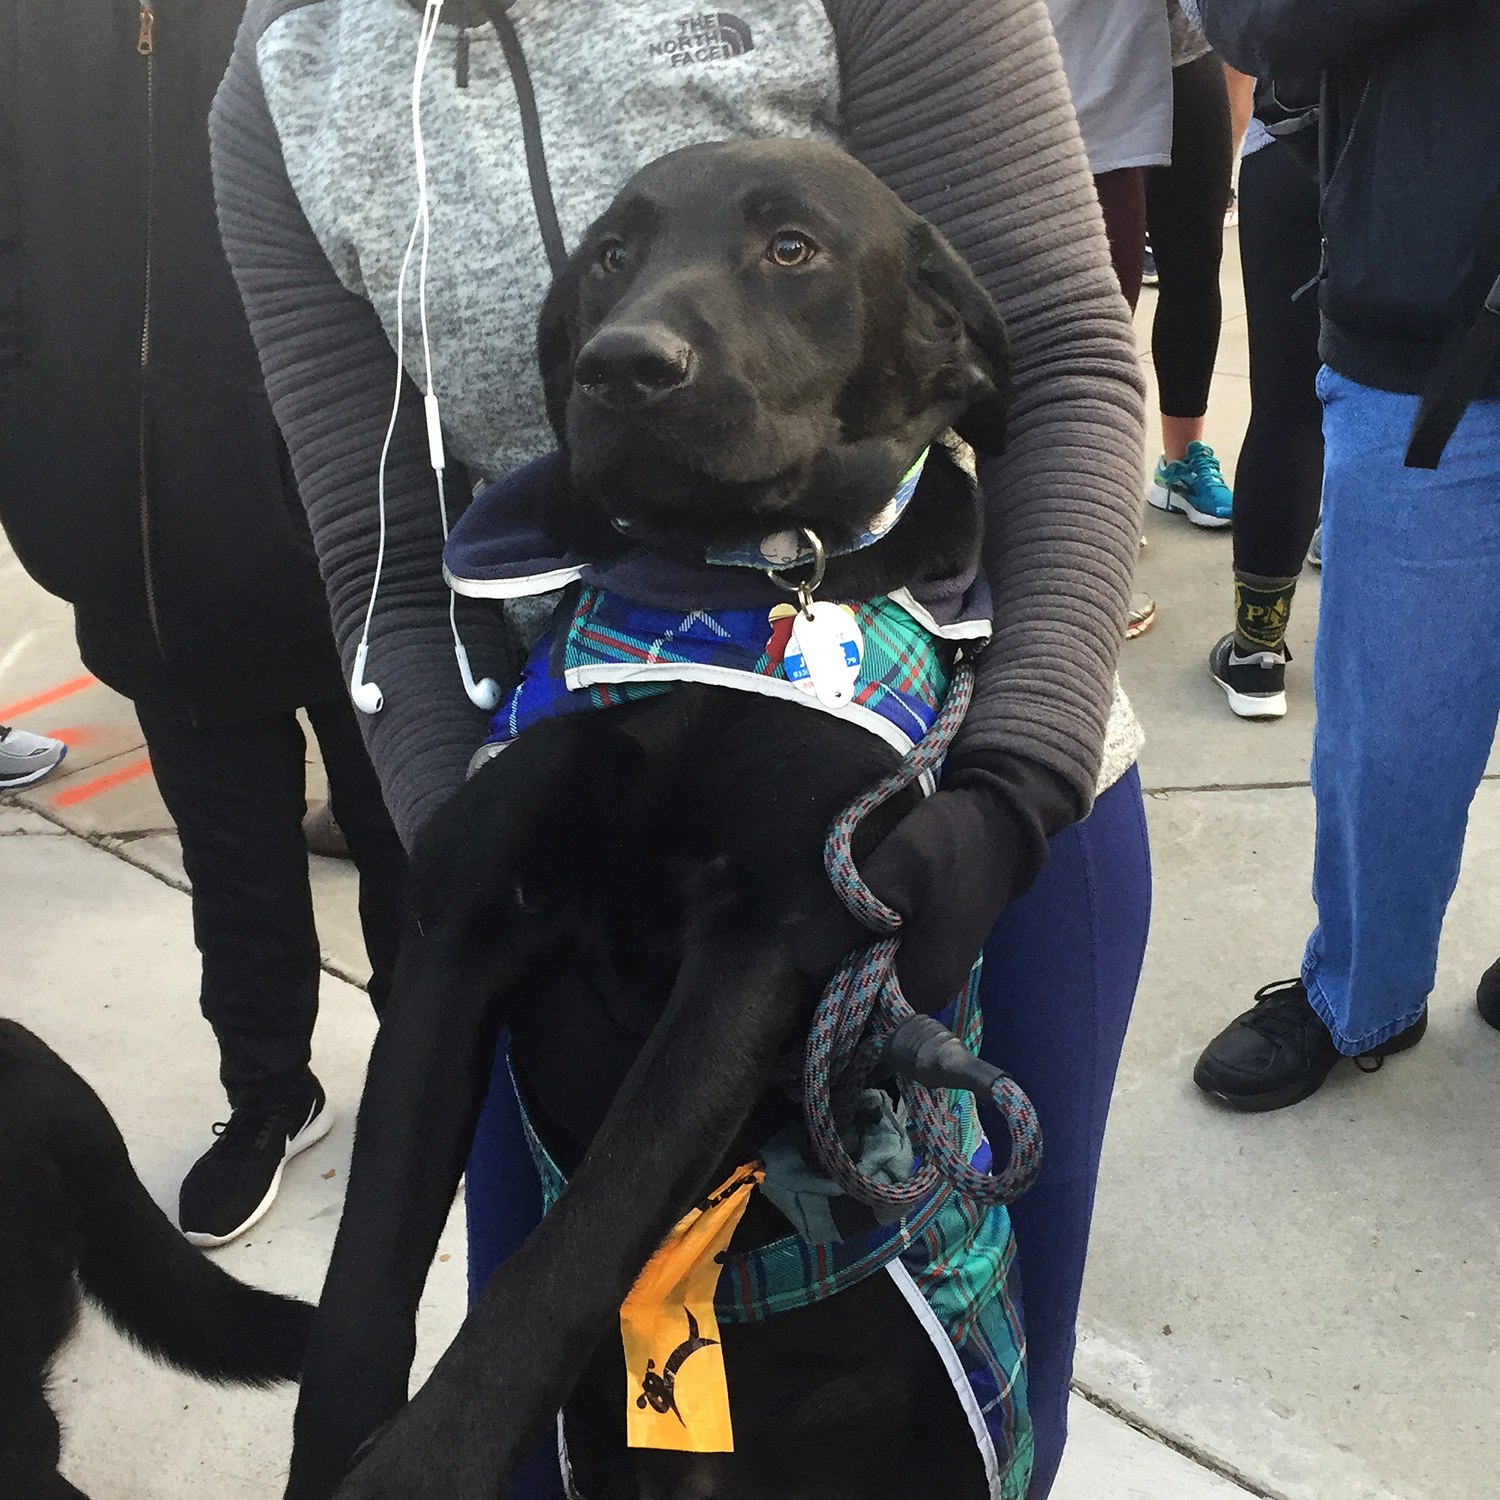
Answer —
1487 995
1279 1052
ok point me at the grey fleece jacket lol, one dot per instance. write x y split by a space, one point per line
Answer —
959 105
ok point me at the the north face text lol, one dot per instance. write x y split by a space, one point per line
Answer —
708 36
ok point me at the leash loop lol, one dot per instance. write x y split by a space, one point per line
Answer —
859 1021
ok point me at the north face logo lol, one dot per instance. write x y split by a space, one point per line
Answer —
710 36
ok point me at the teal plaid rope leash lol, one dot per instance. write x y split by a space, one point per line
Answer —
863 1025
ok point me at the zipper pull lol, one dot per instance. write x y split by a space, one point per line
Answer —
145 43
461 61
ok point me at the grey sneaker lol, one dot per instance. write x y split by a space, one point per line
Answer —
1141 617
1315 551
25 758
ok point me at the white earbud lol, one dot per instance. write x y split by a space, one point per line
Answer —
483 694
368 698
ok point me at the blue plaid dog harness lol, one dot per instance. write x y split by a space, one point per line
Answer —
620 633
627 634
603 650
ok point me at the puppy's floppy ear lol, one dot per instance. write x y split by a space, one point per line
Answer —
557 341
566 517
980 356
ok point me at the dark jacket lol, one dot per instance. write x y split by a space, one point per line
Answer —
142 477
1411 160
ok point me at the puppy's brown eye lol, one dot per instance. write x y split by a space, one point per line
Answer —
791 249
612 255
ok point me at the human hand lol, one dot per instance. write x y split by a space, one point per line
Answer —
950 867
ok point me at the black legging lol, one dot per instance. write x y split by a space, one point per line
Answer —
236 795
1279 477
1185 205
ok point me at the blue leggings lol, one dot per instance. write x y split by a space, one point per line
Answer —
1060 972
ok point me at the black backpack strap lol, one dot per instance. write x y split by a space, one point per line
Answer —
1464 363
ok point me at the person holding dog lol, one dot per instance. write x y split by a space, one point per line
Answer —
143 480
532 118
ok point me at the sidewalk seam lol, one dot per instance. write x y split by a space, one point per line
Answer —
1228 786
1204 1460
110 843
1253 786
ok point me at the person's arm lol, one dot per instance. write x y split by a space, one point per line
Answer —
330 372
1298 38
962 107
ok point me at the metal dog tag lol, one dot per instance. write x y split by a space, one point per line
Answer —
824 653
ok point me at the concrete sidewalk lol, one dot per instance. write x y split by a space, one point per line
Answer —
1303 1300
100 962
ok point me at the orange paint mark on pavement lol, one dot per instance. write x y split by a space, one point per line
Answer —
69 795
75 735
62 690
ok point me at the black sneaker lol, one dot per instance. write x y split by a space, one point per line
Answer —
1279 1052
1255 684
234 1182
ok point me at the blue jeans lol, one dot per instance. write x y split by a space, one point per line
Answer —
1060 972
1407 681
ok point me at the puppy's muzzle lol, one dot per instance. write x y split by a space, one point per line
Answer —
628 368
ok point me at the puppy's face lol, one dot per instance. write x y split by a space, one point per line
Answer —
756 335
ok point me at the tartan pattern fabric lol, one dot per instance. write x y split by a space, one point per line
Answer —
615 651
961 1265
960 1254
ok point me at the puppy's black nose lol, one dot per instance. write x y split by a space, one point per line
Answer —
626 367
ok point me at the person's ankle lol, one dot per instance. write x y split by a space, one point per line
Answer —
1245 648
1262 612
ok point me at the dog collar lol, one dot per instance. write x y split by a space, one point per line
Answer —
788 549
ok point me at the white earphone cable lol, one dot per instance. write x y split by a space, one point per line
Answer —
421 221
430 403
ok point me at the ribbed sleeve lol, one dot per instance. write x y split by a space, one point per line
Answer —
330 372
962 107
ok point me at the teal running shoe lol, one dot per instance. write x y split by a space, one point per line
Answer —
1194 486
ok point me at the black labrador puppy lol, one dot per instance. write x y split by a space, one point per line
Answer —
755 336
73 1213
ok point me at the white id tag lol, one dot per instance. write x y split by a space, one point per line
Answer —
823 656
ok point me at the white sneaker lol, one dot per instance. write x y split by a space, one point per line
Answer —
25 758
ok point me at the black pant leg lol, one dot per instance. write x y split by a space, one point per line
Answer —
237 797
360 811
1278 480
1185 205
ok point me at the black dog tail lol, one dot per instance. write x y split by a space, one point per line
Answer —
175 1302
156 1288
